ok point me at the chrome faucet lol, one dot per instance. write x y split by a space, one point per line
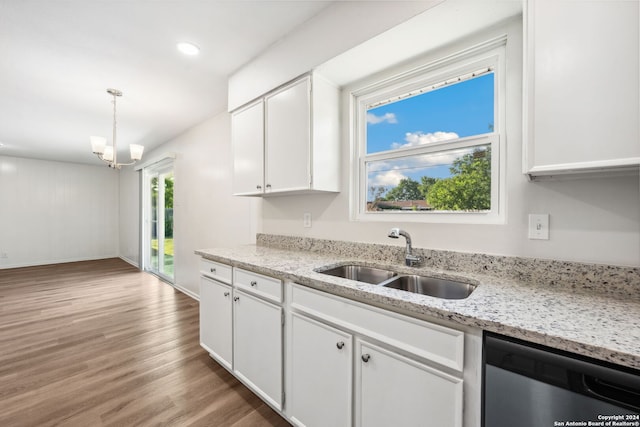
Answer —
409 259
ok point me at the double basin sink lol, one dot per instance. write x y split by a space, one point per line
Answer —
426 285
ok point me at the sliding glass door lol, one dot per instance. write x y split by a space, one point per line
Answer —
158 235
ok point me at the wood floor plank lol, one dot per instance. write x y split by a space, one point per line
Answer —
99 343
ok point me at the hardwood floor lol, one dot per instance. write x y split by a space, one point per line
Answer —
100 343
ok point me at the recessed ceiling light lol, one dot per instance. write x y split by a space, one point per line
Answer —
188 48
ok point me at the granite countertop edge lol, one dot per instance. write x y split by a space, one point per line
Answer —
594 325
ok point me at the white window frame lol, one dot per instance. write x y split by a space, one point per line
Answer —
490 53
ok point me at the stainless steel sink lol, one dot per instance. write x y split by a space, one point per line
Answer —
432 286
426 285
360 273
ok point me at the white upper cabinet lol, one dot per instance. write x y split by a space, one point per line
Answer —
296 137
288 137
247 134
581 87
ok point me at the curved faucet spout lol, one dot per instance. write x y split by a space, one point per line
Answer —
410 259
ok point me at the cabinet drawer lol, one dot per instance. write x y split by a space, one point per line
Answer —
215 270
264 286
436 343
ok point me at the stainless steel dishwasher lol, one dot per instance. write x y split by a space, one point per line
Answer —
529 385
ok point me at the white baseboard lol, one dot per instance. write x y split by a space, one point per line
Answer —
130 261
187 292
52 262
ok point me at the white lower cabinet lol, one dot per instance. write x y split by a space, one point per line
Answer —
351 364
320 386
216 320
393 390
345 363
257 345
241 326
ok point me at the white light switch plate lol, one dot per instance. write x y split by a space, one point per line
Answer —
306 220
539 226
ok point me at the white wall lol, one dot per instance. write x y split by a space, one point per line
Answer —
337 28
53 212
592 220
205 213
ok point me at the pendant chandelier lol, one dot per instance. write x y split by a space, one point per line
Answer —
109 154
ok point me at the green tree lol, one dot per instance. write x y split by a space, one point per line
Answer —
168 204
469 187
407 189
426 182
168 192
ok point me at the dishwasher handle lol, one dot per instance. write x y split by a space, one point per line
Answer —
618 394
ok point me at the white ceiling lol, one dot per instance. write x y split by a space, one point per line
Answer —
58 57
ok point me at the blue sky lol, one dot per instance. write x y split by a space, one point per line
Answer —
454 111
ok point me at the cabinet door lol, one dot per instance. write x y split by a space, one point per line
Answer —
583 87
392 390
215 320
257 356
288 138
247 134
320 363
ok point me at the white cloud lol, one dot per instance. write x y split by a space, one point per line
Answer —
418 138
389 178
372 119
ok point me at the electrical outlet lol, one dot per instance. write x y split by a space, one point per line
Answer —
306 220
539 226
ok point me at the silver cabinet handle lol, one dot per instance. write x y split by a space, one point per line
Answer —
258 187
236 298
268 185
254 283
365 358
340 344
213 270
226 294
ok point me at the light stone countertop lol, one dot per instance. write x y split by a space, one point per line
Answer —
604 326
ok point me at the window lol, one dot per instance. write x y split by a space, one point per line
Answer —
428 141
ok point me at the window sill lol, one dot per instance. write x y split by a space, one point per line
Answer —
432 217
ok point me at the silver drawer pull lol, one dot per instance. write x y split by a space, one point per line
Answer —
258 187
340 345
254 283
365 358
226 294
236 298
213 270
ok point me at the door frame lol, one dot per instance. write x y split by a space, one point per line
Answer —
156 169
